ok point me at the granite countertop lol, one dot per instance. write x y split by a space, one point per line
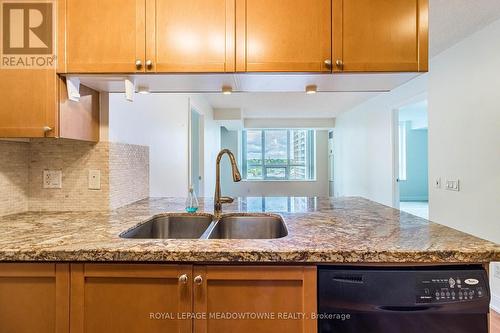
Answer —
321 230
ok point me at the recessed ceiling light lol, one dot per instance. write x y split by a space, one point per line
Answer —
227 90
311 89
143 90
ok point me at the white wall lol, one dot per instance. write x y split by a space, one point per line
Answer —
319 187
159 121
464 139
211 144
363 142
464 134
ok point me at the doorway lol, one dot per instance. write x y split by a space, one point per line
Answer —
411 147
195 151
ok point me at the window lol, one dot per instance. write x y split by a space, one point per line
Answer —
402 150
278 154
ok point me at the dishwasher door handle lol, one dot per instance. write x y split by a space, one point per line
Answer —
406 308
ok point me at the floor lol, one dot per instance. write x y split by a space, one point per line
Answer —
494 322
418 208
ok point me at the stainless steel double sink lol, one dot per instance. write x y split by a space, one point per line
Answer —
231 226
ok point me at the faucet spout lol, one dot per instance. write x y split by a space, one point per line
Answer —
218 199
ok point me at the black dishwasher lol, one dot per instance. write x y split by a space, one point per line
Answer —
451 299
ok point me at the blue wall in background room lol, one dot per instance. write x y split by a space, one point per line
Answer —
415 187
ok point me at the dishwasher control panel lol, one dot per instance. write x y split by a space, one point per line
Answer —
453 287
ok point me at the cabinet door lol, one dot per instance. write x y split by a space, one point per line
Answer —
191 36
34 298
130 298
283 36
28 103
380 35
248 291
105 36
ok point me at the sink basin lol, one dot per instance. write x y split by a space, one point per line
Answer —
249 227
171 226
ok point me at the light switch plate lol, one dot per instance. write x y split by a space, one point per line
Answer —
52 179
94 179
452 185
437 182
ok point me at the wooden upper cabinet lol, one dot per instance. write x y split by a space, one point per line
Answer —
191 35
34 104
34 298
28 103
104 36
262 290
283 36
132 298
79 120
380 35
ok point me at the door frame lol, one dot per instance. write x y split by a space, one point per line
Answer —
395 143
201 126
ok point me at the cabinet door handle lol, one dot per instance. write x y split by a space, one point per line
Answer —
149 64
138 64
328 63
47 129
198 280
339 63
183 279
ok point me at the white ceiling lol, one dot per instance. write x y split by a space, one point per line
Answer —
450 21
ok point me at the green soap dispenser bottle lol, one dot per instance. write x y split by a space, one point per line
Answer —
191 202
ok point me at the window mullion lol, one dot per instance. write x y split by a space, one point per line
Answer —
287 172
263 149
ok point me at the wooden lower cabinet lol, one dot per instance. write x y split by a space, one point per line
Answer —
150 298
129 298
34 298
283 297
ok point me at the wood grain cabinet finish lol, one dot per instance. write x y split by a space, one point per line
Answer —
34 104
263 290
130 298
191 35
126 36
103 36
380 35
34 298
283 36
79 120
28 103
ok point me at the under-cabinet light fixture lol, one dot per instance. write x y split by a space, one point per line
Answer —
227 90
143 90
311 89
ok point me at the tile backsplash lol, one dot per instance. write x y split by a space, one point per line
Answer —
128 174
14 184
124 173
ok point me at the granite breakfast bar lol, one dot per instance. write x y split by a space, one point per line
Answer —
321 230
86 278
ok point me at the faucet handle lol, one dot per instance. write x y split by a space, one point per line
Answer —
226 200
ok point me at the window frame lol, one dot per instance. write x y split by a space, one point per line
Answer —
309 160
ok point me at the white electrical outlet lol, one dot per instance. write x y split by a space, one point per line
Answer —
94 179
452 185
437 182
52 178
